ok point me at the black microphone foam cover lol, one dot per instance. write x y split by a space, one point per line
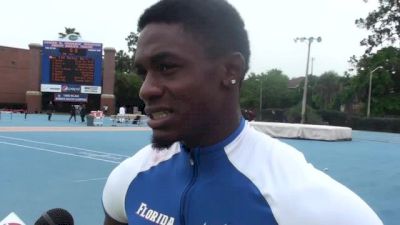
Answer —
55 216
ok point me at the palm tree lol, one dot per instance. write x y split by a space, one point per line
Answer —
68 31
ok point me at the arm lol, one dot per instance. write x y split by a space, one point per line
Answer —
115 190
110 221
117 184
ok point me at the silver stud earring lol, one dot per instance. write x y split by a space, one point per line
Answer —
233 81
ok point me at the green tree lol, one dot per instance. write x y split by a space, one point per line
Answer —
123 62
275 92
250 92
326 90
275 89
68 31
126 90
132 39
347 95
127 83
385 81
312 83
384 23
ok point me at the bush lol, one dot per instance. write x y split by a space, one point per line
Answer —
293 115
273 115
375 124
334 117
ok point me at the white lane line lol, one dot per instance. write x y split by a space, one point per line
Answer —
93 179
64 146
57 152
101 155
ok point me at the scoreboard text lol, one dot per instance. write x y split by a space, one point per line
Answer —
72 63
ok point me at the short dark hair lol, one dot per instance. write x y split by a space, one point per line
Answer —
215 23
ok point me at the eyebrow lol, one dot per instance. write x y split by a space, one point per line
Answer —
162 56
155 59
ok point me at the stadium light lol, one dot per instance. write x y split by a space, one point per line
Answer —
304 102
369 90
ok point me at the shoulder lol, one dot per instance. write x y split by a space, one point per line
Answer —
121 177
292 186
266 161
271 153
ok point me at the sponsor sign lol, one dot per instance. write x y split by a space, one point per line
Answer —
91 89
50 88
68 88
70 97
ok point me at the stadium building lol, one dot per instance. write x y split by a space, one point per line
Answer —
65 71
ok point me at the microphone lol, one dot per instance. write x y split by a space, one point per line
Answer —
55 216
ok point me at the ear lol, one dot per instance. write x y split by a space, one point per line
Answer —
234 69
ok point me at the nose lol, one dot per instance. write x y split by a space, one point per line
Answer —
151 88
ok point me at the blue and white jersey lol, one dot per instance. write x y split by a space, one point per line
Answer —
247 179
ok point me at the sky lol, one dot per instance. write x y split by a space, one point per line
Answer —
272 26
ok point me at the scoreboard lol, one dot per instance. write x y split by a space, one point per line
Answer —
71 70
75 66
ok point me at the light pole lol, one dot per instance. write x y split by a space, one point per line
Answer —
304 102
260 99
369 90
312 65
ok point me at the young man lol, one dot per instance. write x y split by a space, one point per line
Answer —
72 113
205 164
82 112
50 110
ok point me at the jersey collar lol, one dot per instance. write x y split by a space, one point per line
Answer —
222 143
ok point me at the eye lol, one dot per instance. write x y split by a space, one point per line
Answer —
166 67
141 72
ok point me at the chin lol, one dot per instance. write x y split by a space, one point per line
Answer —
161 144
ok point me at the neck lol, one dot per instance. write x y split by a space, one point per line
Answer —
217 130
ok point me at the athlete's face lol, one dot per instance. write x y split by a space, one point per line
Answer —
181 85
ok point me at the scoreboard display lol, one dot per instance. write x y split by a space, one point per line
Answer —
74 64
71 70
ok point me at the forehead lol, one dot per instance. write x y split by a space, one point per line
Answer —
164 38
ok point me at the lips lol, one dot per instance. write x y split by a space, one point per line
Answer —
159 117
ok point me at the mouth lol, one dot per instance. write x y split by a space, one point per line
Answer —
159 115
159 118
